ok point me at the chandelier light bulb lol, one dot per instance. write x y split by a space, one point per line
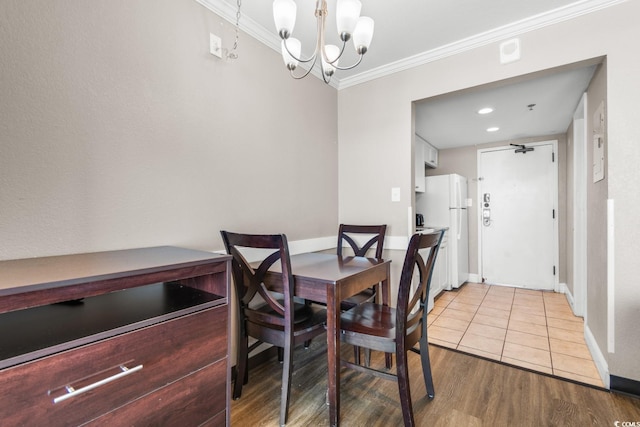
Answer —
363 35
284 16
347 14
294 46
330 63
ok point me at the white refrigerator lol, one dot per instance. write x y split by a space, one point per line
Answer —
444 204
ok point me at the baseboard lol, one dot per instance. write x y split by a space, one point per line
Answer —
474 278
324 243
598 357
564 289
625 386
295 247
312 245
399 243
329 242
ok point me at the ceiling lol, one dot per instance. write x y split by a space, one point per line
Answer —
530 106
409 33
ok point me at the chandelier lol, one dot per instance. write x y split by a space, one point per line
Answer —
350 26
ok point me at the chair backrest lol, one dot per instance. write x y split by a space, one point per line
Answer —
378 239
249 281
412 297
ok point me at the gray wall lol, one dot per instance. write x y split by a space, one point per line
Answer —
597 298
118 129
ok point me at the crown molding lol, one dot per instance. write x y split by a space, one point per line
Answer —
555 16
565 13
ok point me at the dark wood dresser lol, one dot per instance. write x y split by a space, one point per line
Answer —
130 337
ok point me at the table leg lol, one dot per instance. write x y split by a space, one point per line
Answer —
333 355
386 299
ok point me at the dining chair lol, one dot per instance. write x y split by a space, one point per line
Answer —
268 316
347 233
397 330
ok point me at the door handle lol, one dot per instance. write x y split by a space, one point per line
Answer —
486 211
486 217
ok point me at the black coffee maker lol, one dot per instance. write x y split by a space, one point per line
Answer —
419 220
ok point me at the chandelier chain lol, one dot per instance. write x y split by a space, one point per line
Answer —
232 54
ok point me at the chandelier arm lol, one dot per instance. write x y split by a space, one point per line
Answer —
304 61
351 66
302 76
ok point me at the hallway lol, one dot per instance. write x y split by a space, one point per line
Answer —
531 329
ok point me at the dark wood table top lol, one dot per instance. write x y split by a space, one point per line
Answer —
328 267
313 272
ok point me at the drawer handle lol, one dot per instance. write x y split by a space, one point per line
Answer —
71 392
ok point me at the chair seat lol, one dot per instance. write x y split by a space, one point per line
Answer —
368 295
301 313
370 319
309 316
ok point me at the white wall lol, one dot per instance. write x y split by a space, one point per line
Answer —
118 129
375 121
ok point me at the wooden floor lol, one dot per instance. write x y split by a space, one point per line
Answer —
470 391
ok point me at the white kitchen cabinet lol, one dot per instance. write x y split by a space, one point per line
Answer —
419 166
426 155
430 155
440 278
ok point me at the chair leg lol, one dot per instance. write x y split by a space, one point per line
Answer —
356 354
242 376
402 368
287 369
280 354
426 367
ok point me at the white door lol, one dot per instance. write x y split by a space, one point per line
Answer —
518 211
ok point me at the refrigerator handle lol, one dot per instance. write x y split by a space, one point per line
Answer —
458 211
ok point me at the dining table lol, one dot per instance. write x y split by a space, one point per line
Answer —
328 279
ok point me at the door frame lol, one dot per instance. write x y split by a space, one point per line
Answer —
556 243
578 298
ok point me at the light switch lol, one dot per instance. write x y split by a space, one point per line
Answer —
395 194
215 45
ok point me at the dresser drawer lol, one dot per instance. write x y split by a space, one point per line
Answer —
156 356
194 400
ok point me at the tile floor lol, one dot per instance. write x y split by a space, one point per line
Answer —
533 329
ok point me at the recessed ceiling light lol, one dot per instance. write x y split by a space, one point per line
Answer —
485 110
493 129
